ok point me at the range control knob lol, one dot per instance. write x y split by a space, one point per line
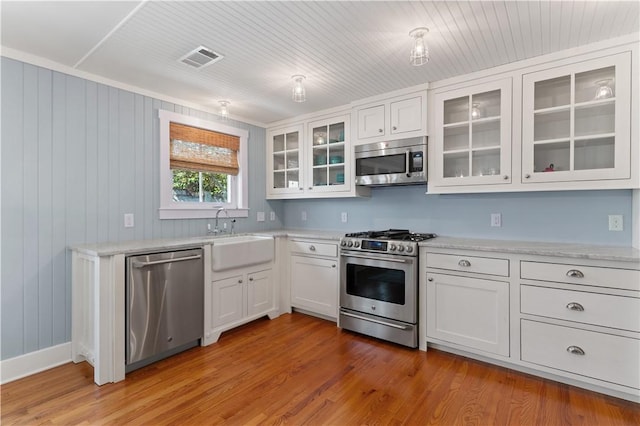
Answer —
409 249
400 248
356 244
392 247
343 243
350 243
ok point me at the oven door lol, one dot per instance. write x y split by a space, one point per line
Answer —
380 285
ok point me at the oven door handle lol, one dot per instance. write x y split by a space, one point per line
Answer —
400 327
372 257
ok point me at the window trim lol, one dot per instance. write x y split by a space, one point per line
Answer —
239 185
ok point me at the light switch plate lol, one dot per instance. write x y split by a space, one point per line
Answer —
496 220
304 215
272 216
260 217
128 220
343 217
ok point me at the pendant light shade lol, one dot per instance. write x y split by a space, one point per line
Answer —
420 51
224 110
298 94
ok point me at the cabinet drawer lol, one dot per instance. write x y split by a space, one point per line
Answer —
589 308
311 247
604 356
480 265
626 279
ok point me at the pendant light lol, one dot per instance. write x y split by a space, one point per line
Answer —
604 89
475 111
224 110
298 93
420 51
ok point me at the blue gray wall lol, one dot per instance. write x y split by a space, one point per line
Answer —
572 216
76 155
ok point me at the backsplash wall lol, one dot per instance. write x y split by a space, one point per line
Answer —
565 216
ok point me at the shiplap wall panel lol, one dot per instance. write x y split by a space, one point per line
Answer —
12 219
45 198
76 156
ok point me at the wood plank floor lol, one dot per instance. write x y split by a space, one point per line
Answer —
299 370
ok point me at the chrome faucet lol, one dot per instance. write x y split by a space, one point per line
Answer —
217 230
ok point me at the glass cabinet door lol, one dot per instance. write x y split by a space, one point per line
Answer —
472 135
286 160
572 128
328 154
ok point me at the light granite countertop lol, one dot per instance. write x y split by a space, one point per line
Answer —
581 251
584 251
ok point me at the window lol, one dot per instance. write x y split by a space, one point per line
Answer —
203 166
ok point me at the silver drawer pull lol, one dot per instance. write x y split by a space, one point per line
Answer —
576 350
574 273
464 263
575 306
312 248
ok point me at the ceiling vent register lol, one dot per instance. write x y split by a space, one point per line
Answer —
201 57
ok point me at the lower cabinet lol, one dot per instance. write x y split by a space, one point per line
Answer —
470 312
237 297
315 277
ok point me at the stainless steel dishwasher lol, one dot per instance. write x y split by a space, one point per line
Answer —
164 305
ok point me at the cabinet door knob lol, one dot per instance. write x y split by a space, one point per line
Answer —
574 273
333 266
311 187
527 176
505 177
380 130
301 189
574 306
430 279
240 281
576 350
464 263
395 128
250 278
312 248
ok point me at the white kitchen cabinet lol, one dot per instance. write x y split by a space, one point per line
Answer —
312 160
576 121
472 136
396 117
314 277
238 296
470 312
285 157
582 320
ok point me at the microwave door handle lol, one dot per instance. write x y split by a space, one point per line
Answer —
408 163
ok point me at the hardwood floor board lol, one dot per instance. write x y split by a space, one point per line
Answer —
300 370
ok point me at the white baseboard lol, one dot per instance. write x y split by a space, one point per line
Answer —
34 362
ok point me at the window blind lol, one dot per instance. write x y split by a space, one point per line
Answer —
203 150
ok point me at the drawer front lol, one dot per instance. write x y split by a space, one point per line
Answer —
605 357
626 279
314 248
589 308
480 265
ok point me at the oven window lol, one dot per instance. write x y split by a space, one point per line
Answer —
387 285
381 165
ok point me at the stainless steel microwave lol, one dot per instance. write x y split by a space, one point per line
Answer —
398 162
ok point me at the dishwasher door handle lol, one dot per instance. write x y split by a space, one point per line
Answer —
137 264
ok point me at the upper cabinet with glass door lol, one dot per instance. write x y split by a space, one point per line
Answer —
285 159
472 137
328 155
575 123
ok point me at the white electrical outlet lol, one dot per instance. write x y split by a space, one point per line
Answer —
615 222
272 216
343 217
304 215
128 220
260 217
496 220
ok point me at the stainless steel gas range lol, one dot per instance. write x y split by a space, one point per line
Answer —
379 284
